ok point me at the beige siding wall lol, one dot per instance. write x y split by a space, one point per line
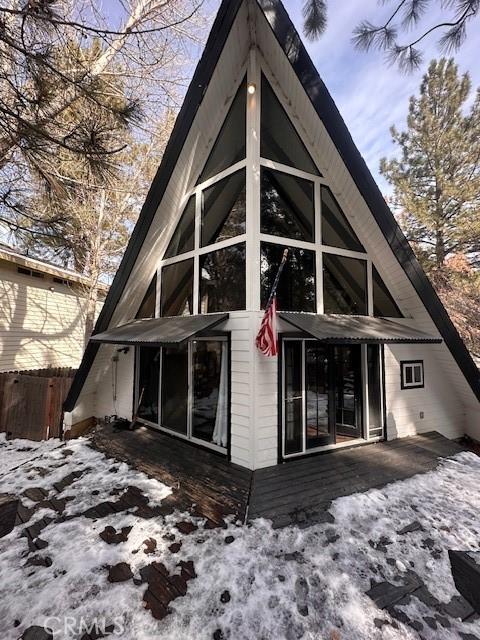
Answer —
39 328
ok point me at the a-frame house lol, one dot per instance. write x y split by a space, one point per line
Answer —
261 160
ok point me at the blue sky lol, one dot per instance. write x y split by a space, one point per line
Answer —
370 94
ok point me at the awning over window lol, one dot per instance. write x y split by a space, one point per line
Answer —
157 331
341 328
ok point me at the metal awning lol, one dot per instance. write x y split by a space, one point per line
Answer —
158 331
342 328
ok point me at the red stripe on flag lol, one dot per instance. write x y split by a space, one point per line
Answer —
266 340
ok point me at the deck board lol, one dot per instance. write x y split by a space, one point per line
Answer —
297 491
281 493
205 482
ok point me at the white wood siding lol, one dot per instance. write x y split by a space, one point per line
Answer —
442 407
39 327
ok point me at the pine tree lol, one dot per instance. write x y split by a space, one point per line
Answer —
436 181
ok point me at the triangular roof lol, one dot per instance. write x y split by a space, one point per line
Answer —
291 44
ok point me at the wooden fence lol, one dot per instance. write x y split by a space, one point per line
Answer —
31 402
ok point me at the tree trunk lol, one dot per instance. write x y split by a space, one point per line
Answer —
90 310
439 249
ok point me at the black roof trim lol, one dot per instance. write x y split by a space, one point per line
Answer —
289 40
194 96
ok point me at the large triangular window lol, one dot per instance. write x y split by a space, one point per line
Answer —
184 235
147 308
383 303
224 209
336 229
231 144
279 139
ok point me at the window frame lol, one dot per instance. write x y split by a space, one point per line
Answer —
219 336
406 364
252 164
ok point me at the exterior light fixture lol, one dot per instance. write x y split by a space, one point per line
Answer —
251 88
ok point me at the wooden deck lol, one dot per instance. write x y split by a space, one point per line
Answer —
297 492
203 482
301 491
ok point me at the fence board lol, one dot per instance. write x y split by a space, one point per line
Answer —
31 402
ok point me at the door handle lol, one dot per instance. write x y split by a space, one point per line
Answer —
291 399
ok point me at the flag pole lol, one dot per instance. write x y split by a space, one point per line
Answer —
277 278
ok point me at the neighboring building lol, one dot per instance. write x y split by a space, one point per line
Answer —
42 313
259 160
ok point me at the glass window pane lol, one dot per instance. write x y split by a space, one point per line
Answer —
148 379
287 206
336 229
383 303
223 209
222 279
374 390
175 388
293 397
296 287
408 374
316 394
230 146
344 285
210 392
280 141
177 289
417 373
183 236
147 308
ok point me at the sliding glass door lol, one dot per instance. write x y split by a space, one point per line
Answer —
184 389
174 389
210 392
322 395
148 371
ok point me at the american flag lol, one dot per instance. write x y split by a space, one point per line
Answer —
266 341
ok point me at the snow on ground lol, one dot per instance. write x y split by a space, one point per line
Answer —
287 583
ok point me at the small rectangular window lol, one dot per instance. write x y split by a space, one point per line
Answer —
412 374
